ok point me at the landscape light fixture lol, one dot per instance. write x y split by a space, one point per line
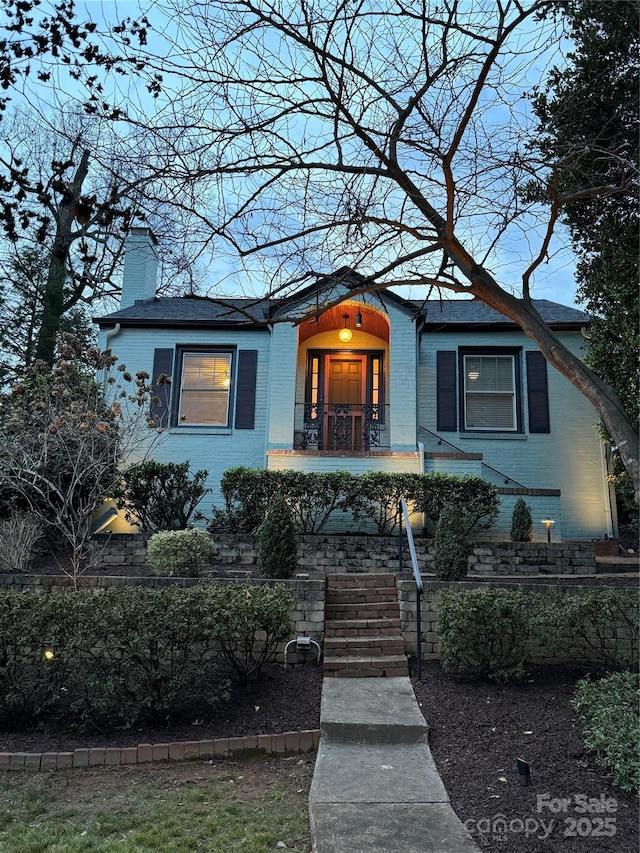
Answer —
548 522
524 771
345 333
303 644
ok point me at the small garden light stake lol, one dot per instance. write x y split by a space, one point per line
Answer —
524 772
548 522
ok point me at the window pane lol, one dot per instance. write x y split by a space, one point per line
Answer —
489 373
489 411
205 371
489 392
204 393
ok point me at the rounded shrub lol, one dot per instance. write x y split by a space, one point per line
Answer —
521 522
451 561
179 552
610 714
277 542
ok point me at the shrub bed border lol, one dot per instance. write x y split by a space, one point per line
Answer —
287 743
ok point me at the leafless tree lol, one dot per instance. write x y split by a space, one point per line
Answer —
70 187
65 440
389 137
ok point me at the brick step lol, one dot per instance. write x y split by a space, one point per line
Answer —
361 627
365 667
358 596
372 610
359 580
363 646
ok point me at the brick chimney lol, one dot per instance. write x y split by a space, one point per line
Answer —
140 267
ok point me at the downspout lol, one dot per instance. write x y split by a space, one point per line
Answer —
609 493
421 452
265 460
110 333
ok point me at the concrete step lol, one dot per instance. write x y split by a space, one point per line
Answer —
365 666
363 646
362 627
383 711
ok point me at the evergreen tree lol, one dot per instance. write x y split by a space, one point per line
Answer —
277 542
521 522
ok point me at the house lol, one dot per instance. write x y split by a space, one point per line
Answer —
367 382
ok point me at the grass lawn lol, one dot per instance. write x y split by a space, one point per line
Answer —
253 806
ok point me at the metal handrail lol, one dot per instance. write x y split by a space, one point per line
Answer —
404 511
507 479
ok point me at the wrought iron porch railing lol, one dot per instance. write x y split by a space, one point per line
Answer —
340 426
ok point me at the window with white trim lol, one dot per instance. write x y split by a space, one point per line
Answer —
205 388
490 393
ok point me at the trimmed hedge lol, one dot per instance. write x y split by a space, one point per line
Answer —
180 552
132 655
371 497
492 633
485 632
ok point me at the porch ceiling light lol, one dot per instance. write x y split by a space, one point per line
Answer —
359 320
345 334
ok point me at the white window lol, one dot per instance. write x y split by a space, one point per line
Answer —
204 389
489 392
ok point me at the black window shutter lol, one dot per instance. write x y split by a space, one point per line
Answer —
537 392
446 390
162 366
246 389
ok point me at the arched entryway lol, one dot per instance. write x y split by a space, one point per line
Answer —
342 392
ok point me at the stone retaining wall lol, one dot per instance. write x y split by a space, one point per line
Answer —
429 609
335 553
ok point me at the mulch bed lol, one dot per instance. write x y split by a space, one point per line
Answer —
477 731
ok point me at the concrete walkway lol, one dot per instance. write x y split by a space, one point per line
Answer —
375 787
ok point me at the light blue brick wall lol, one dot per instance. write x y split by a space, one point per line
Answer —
569 458
403 347
282 386
211 449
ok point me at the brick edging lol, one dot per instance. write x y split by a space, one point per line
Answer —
287 743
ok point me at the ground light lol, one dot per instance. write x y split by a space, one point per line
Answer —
548 522
524 772
302 644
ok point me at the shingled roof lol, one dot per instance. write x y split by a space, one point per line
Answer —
472 312
235 311
188 310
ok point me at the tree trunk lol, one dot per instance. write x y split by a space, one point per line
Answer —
598 392
53 297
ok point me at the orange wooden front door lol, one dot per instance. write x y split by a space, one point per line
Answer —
344 396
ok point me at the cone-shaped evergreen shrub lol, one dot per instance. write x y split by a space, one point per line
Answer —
277 542
452 549
521 522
